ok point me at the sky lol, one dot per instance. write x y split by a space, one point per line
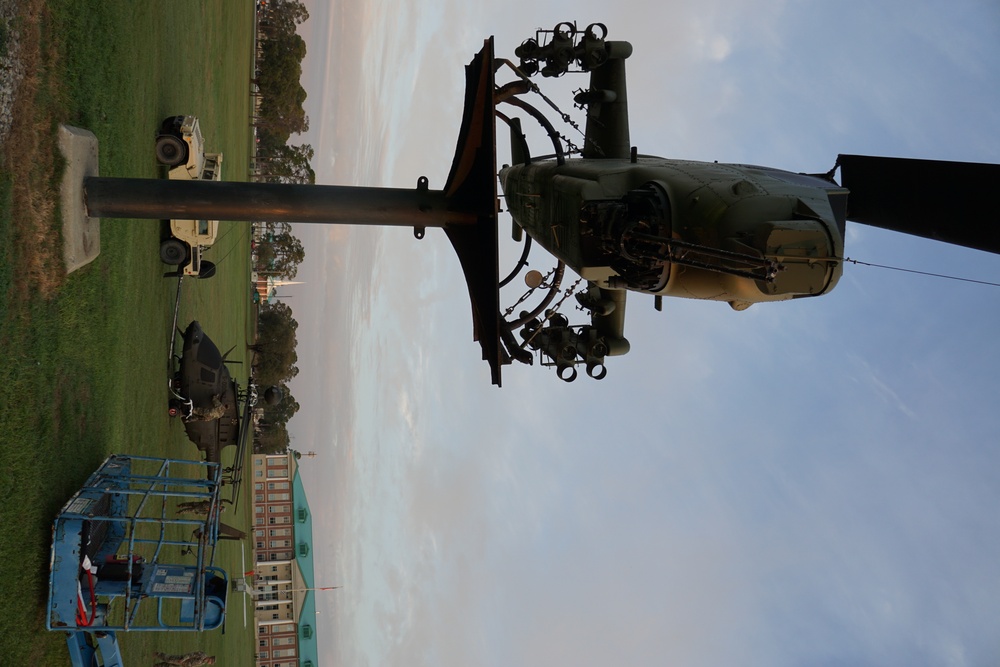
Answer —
800 483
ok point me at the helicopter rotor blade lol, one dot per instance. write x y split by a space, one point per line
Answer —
953 202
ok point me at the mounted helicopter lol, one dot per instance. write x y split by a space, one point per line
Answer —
740 234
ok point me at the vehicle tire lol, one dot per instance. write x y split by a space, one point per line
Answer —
173 252
207 269
170 124
170 150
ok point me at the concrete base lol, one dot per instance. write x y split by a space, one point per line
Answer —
81 233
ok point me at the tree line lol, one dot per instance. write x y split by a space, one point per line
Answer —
278 116
278 75
274 365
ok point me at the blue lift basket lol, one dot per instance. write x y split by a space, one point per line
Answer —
133 550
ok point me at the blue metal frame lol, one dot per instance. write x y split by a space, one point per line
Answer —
151 566
84 646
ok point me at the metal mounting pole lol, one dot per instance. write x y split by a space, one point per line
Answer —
272 202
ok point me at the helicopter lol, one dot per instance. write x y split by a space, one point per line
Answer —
205 395
735 233
215 410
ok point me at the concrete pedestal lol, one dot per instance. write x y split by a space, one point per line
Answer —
81 233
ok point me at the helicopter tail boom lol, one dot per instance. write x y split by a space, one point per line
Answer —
945 201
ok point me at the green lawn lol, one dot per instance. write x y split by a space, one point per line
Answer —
85 372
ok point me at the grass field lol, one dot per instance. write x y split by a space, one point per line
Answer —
85 367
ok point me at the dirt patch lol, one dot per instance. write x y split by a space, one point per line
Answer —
31 156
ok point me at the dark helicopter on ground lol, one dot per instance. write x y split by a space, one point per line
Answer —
740 234
205 395
215 410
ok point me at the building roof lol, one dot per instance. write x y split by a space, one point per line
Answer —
306 611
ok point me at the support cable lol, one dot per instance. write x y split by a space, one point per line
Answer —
923 273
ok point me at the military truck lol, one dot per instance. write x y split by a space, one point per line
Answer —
181 147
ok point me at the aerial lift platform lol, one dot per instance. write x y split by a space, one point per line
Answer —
134 550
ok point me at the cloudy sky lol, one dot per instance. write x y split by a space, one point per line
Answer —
803 483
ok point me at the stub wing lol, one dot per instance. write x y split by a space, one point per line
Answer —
607 133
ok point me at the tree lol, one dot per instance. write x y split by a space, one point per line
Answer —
280 255
273 437
275 345
281 113
283 16
286 164
271 440
265 257
284 410
275 228
289 253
